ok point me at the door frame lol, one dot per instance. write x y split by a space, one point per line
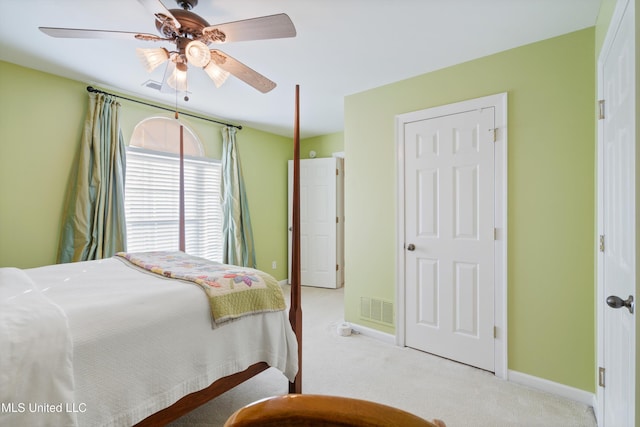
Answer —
614 24
499 102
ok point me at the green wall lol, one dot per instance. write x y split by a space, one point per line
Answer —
41 119
323 145
550 86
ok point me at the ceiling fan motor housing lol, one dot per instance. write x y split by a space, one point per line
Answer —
191 25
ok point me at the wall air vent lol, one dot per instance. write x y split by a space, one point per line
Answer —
376 310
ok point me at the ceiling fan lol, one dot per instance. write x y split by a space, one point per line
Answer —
191 34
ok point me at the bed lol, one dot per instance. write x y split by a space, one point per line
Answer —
126 347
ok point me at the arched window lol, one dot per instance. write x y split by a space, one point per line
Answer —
152 191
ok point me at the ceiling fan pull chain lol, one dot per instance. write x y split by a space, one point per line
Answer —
176 114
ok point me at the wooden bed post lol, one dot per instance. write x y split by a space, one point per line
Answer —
295 311
181 240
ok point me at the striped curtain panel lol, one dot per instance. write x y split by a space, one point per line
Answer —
94 220
237 246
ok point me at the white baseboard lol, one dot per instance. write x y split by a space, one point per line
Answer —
373 333
554 388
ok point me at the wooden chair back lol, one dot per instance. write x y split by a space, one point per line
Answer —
294 410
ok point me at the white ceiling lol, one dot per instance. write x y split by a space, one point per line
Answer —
342 47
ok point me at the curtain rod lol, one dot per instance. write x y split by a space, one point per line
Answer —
94 90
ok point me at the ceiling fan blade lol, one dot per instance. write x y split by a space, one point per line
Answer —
241 71
264 27
157 8
78 33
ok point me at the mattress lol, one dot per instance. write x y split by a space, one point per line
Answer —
136 351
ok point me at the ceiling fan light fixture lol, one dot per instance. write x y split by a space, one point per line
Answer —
217 74
176 76
152 58
197 53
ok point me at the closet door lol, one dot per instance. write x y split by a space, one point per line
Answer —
318 222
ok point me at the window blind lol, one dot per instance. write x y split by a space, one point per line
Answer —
152 203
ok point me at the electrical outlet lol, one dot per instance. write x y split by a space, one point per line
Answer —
274 265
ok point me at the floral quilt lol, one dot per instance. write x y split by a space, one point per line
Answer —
232 291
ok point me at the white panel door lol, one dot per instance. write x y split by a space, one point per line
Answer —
449 226
618 226
318 228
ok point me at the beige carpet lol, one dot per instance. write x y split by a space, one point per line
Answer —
365 368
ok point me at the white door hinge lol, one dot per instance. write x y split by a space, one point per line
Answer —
601 377
602 243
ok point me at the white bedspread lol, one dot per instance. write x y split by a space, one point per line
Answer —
136 352
36 377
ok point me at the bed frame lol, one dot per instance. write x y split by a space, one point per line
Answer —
193 400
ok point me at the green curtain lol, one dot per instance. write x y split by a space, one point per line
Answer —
236 226
93 224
